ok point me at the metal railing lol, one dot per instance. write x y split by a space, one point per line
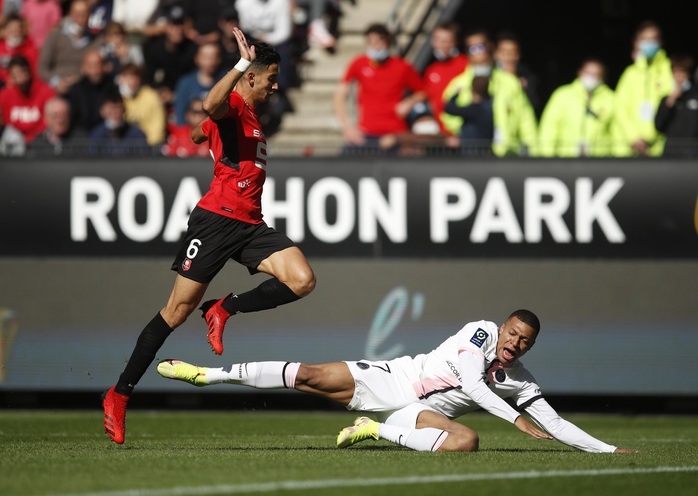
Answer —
412 21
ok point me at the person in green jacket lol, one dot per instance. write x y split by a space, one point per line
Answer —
576 121
641 87
515 127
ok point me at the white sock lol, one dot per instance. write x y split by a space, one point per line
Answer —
260 375
427 439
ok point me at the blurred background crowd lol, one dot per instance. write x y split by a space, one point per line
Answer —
118 77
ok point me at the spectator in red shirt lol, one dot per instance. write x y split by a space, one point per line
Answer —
449 62
22 101
179 142
16 42
388 88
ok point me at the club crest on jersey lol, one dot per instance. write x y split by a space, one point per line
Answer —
186 265
479 338
244 184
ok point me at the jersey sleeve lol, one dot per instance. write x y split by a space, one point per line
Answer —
206 127
476 340
564 431
236 104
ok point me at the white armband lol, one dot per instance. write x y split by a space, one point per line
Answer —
242 65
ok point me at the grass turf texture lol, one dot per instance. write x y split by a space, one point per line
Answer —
182 453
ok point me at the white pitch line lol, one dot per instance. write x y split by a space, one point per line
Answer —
387 481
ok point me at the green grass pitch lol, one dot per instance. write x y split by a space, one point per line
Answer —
293 453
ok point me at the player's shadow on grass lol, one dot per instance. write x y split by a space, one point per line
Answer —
524 450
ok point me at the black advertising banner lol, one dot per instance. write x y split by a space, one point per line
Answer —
337 207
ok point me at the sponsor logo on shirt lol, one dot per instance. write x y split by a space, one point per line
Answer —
454 369
479 338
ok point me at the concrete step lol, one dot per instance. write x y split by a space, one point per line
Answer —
315 143
313 129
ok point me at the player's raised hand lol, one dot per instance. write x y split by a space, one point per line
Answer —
528 428
246 52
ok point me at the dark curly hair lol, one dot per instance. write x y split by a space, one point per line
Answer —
265 55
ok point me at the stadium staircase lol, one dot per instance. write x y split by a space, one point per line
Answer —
312 128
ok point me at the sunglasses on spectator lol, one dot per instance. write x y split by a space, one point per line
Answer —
475 49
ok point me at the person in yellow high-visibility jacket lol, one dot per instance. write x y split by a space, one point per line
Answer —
515 126
576 121
641 87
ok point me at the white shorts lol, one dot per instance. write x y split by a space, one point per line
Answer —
383 386
406 416
387 388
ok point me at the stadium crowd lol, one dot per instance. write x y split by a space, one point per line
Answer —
122 77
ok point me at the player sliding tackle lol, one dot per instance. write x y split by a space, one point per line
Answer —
417 398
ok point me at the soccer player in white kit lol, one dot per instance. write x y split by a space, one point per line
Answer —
416 398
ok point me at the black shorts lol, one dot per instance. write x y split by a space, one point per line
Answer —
212 239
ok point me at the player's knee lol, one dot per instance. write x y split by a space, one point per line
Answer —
303 282
176 315
464 440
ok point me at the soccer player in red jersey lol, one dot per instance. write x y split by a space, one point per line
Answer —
226 223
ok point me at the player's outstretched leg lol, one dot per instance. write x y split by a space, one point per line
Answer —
215 316
364 428
115 399
183 371
115 415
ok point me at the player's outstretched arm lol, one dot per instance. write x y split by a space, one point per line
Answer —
216 102
528 428
566 432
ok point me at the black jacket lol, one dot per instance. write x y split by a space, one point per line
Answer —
680 125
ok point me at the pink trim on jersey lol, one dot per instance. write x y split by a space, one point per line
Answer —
477 352
423 388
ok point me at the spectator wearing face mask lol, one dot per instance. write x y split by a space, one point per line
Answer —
424 137
576 121
515 126
382 82
640 89
61 55
143 104
677 115
116 49
448 63
115 136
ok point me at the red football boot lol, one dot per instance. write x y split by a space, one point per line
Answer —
215 316
115 415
